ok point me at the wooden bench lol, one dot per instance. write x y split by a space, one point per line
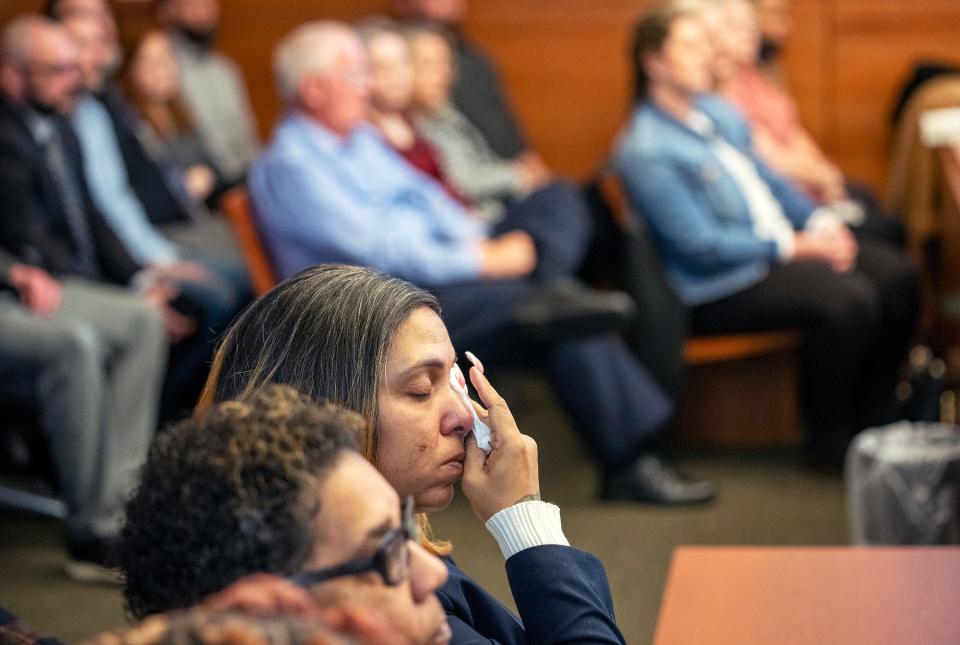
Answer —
741 389
239 211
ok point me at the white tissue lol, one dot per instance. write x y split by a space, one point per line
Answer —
481 431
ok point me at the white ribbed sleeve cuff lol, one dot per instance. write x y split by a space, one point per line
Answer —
526 524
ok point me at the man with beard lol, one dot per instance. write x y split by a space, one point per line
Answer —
92 353
212 85
133 190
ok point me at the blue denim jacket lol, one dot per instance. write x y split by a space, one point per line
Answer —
699 219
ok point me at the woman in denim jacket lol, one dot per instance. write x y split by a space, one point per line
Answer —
746 251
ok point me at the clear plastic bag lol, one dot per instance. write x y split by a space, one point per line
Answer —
903 485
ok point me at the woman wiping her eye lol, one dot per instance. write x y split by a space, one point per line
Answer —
377 345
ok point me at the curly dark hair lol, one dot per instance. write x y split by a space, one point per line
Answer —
232 491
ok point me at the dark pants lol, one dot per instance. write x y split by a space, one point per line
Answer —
879 225
559 221
213 304
858 327
616 406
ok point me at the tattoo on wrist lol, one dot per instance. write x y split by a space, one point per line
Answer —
527 498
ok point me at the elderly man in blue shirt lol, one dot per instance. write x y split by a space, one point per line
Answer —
328 189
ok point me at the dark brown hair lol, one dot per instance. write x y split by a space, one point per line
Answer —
649 34
132 41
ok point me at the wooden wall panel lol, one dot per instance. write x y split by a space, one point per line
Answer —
564 62
804 61
566 65
11 8
876 43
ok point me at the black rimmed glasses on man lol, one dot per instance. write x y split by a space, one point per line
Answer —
391 559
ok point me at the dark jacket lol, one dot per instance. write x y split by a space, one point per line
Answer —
154 179
33 227
561 593
478 93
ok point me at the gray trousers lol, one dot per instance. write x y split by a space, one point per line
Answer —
96 366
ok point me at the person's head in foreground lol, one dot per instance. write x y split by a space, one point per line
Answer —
273 484
671 53
321 71
376 344
260 608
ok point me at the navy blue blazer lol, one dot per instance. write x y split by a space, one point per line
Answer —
562 595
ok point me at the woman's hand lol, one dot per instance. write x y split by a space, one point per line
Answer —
837 248
508 256
200 180
510 472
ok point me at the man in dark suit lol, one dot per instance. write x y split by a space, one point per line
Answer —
136 191
93 351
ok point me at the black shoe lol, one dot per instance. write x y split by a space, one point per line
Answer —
91 559
566 308
649 479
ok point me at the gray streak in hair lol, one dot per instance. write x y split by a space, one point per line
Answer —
326 332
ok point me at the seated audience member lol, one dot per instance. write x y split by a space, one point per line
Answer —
93 352
151 81
328 189
476 171
377 345
212 85
126 185
777 133
273 484
780 139
478 91
260 608
391 97
745 250
154 176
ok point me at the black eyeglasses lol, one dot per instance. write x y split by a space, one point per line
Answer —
391 559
